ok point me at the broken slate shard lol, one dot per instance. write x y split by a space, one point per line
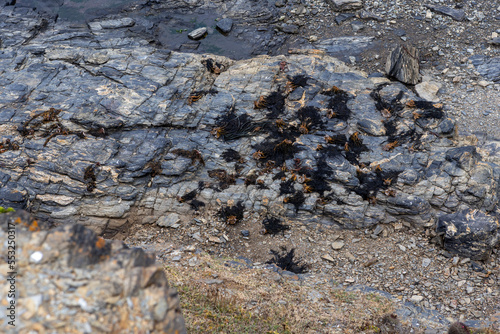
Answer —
456 14
345 5
403 64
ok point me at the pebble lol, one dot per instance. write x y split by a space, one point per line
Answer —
416 298
225 25
198 33
337 245
328 258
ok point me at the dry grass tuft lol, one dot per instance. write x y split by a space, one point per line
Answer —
259 301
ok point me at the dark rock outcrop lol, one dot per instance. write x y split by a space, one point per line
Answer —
107 130
70 279
469 233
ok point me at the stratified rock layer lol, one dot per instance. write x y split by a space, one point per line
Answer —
68 280
102 128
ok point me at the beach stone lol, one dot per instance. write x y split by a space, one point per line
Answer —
198 33
456 14
345 5
225 25
469 233
428 91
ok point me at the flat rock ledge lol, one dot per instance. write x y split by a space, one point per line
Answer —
69 280
102 128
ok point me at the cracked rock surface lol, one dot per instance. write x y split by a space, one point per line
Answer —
100 127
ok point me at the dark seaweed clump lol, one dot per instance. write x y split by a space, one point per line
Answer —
232 214
310 117
225 179
286 261
194 155
277 151
90 178
394 106
297 200
298 80
337 104
275 103
231 155
286 187
354 148
231 126
188 196
429 110
273 225
196 204
212 66
371 183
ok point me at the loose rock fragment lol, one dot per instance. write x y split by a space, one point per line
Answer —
403 64
198 33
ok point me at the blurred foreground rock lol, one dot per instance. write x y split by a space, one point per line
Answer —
71 281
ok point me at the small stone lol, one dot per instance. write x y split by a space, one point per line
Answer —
426 262
197 236
416 298
495 41
290 28
213 281
357 26
350 257
225 25
456 14
328 258
214 239
403 248
36 257
350 280
345 5
198 33
193 262
428 90
313 38
343 17
170 220
279 3
245 233
337 245
378 229
483 83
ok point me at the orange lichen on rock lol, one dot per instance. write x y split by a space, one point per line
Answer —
100 243
34 227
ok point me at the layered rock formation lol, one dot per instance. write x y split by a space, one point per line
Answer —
102 128
69 280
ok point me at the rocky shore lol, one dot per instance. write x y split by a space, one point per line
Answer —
105 125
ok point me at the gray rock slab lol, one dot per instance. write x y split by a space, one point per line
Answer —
488 67
345 5
456 14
